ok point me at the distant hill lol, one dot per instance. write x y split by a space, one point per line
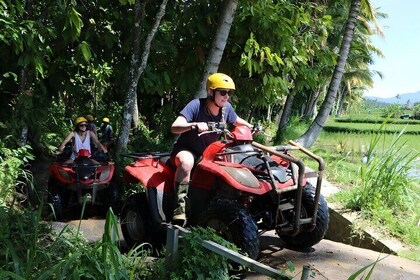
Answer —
403 98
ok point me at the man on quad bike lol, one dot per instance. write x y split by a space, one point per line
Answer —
193 119
81 138
107 137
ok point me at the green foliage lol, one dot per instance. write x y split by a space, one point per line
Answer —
393 111
196 262
280 57
295 128
368 268
367 125
29 244
385 177
416 111
364 119
386 189
34 251
12 162
146 139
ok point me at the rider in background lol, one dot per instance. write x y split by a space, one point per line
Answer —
81 139
106 133
91 124
192 120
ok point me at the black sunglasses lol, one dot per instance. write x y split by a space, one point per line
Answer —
83 124
223 92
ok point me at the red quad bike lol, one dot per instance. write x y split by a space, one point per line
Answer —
69 183
239 187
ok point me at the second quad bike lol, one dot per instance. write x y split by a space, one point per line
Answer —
89 177
239 187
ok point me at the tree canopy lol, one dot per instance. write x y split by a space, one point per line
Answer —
67 58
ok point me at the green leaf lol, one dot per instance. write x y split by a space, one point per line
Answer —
85 49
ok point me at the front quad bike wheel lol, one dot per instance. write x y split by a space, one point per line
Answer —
135 225
234 223
111 197
306 239
55 197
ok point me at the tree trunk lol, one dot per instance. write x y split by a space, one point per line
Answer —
310 136
25 82
218 45
340 102
284 120
137 67
136 118
269 112
309 110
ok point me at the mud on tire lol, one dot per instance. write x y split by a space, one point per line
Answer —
234 223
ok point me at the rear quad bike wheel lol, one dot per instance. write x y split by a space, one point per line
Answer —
135 224
55 197
234 223
306 239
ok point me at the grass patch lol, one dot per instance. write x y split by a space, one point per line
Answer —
373 119
371 127
378 175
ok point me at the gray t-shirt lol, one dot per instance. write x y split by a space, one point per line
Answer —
196 111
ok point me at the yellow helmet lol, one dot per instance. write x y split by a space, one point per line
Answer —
79 120
105 120
220 80
90 118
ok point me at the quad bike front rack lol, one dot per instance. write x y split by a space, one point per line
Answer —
275 150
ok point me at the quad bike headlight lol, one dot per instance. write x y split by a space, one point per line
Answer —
242 176
104 174
64 174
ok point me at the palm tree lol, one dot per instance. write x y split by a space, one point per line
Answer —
310 136
358 76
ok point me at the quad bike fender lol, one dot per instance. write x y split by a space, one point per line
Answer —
67 175
234 174
150 173
62 173
106 171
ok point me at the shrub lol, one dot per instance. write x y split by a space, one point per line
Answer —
12 173
386 190
196 262
393 111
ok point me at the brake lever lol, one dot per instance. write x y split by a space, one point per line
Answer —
207 132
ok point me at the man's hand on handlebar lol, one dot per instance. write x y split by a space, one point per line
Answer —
200 127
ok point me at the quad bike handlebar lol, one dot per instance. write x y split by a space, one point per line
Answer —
144 155
220 127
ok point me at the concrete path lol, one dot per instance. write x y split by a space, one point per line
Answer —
333 261
327 259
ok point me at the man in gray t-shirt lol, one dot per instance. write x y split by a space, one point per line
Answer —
192 120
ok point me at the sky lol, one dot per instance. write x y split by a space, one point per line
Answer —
401 47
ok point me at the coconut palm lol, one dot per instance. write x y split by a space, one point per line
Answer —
310 136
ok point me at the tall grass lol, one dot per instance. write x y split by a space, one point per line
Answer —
34 250
386 192
384 177
12 172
